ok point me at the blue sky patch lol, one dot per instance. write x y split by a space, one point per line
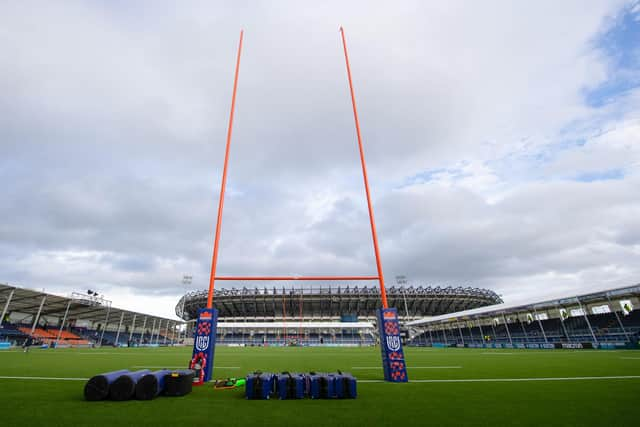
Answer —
600 175
620 43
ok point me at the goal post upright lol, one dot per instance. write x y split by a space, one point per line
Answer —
214 259
374 234
393 362
388 325
204 340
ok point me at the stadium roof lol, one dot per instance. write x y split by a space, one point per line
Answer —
28 301
560 300
334 301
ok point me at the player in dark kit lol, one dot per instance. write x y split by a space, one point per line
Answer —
27 344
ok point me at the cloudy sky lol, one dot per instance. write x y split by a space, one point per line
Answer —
502 140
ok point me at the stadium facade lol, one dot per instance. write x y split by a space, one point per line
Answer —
333 303
608 318
321 315
78 320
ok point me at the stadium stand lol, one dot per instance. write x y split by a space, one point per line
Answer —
296 333
79 320
339 303
321 315
605 319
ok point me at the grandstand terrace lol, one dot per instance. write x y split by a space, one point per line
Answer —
605 319
332 303
79 320
321 315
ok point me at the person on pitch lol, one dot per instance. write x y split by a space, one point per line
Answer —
26 345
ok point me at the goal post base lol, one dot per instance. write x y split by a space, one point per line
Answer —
393 362
204 343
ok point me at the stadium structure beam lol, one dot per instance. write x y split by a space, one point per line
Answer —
37 316
414 302
105 324
493 328
273 303
624 331
153 330
544 335
255 306
27 298
133 326
264 306
6 306
75 313
159 330
584 313
119 327
64 319
144 325
243 300
524 331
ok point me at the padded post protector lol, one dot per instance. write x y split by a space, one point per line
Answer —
393 362
97 388
204 342
151 385
178 383
124 387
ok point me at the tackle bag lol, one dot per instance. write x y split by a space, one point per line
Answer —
321 386
345 386
124 387
259 385
290 386
97 388
151 385
178 383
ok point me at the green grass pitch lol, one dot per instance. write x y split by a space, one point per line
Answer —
566 392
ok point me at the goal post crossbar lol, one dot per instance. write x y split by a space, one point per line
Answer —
300 278
214 261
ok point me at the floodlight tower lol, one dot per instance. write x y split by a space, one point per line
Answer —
186 280
402 282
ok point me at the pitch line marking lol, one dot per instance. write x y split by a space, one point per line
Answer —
182 367
107 353
44 378
497 352
486 380
467 380
410 367
630 358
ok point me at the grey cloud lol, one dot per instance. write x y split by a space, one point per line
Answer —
113 123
